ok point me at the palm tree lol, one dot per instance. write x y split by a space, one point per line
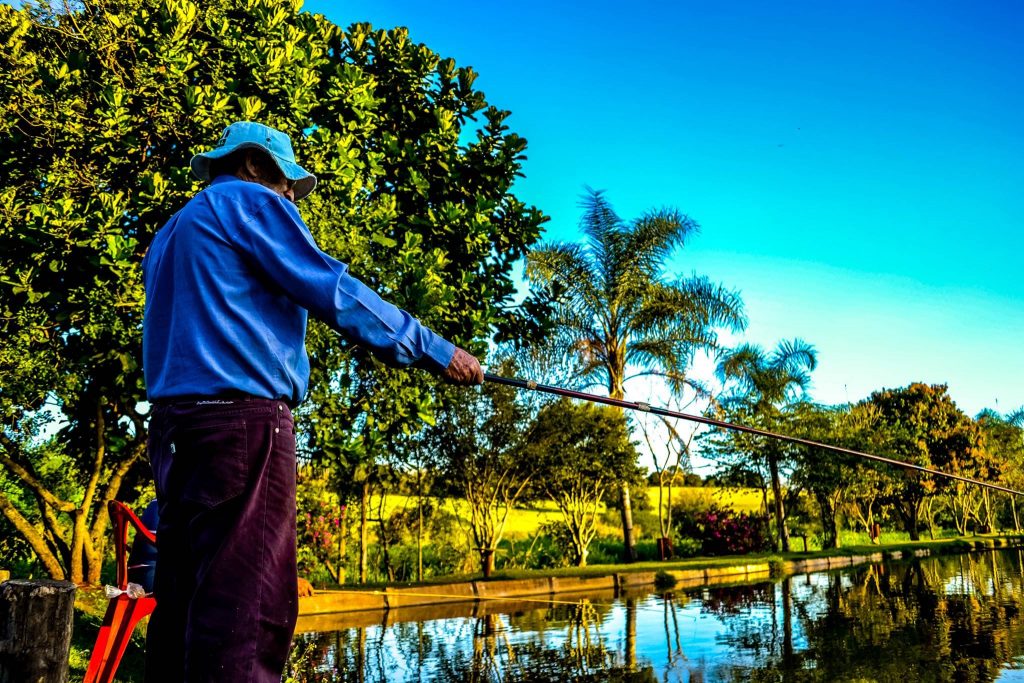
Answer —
617 312
763 384
1016 418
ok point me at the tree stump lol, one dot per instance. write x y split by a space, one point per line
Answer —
35 630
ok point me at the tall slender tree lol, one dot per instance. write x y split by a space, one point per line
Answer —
618 312
763 384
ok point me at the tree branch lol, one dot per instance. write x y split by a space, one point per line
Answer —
101 517
28 478
33 537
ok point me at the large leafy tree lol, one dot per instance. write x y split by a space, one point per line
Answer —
620 314
105 102
926 428
763 384
839 482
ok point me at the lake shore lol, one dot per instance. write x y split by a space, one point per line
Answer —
317 612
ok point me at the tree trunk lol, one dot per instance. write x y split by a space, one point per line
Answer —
342 545
909 512
419 536
385 540
626 508
581 550
487 562
389 571
829 525
35 632
33 537
780 511
363 510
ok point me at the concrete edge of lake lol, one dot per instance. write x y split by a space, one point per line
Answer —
466 598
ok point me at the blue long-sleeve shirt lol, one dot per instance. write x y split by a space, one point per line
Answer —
229 280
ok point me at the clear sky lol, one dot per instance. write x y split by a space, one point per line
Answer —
856 167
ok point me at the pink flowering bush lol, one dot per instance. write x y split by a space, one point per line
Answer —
318 528
722 531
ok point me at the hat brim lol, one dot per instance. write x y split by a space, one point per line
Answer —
303 179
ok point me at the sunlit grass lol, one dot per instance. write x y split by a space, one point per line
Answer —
526 519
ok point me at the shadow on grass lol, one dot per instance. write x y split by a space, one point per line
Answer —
89 608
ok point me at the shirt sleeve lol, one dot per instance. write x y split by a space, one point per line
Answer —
280 245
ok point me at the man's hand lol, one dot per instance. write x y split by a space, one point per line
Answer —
464 369
305 588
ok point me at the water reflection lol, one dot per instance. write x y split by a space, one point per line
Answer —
942 619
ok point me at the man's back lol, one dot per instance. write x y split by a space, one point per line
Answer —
214 323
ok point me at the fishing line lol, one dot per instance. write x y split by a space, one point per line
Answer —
648 408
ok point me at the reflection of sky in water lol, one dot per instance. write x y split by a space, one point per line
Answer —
726 634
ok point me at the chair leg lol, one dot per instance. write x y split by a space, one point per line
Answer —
123 613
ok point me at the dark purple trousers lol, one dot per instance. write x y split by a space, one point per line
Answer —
226 586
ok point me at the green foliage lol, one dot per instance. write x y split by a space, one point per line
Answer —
926 428
104 105
479 443
581 450
614 307
761 386
616 312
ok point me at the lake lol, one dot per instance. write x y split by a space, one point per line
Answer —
947 618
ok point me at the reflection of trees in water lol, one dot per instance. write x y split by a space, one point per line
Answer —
945 619
951 618
411 652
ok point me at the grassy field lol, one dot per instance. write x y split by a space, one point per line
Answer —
703 497
524 521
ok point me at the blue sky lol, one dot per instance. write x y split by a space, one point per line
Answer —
856 167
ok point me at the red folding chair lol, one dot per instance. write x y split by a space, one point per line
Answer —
123 611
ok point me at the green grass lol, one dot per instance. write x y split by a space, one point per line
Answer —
937 546
524 521
703 497
90 605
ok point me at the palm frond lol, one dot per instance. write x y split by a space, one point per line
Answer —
567 272
740 363
653 237
794 355
989 415
599 223
716 305
1016 418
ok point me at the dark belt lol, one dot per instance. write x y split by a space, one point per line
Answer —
214 398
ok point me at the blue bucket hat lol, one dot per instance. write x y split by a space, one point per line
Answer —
249 134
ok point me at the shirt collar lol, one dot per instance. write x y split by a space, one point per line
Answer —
221 179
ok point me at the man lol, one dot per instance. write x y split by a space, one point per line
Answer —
229 280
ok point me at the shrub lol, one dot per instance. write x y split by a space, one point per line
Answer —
438 560
547 550
646 550
606 550
684 546
318 526
725 532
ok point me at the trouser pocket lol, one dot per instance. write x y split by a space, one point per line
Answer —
214 462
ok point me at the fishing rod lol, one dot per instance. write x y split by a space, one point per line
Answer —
654 410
